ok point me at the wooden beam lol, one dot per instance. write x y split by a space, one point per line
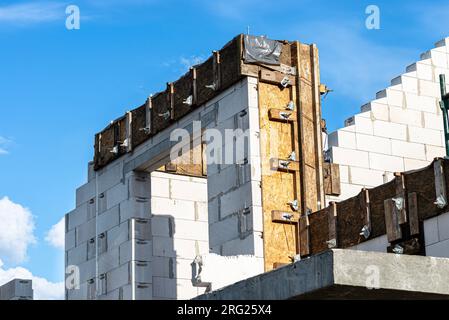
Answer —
284 165
331 176
284 216
171 103
332 239
394 231
194 86
217 70
364 201
304 235
400 199
282 115
276 77
413 215
440 184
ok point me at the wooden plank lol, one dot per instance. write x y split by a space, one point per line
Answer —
171 99
440 184
332 239
304 235
282 115
400 198
331 176
217 70
276 77
392 221
284 216
284 165
413 213
366 213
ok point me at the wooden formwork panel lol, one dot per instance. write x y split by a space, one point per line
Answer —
278 188
230 62
377 197
138 134
319 222
160 117
183 88
205 78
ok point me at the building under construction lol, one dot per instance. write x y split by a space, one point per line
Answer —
229 174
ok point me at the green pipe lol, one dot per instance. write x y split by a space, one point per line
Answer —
444 105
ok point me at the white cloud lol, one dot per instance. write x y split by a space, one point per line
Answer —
43 289
4 143
56 235
31 12
190 61
16 231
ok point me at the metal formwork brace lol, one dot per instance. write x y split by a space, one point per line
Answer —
444 105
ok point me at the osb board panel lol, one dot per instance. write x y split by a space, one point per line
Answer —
306 104
277 187
230 57
377 197
205 77
351 220
319 231
183 89
160 106
286 54
107 143
423 183
138 123
310 186
309 143
122 134
305 59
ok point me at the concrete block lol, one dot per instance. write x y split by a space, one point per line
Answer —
408 149
362 123
342 139
421 103
406 116
85 193
143 251
349 190
349 157
224 230
91 248
188 190
439 59
108 261
180 209
393 97
165 267
141 229
110 176
365 177
70 240
162 226
378 244
251 245
77 217
344 173
373 143
77 255
443 226
201 211
214 210
413 164
108 219
190 230
142 271
433 121
85 232
118 235
223 181
183 269
87 270
429 88
160 187
164 287
189 249
135 208
433 152
163 247
139 185
431 235
142 291
439 249
426 136
386 163
408 84
423 71
379 111
115 195
78 294
119 277
390 130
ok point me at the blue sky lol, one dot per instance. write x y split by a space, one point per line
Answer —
59 87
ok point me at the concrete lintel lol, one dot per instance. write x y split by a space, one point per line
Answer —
344 273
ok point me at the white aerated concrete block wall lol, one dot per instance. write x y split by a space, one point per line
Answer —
401 130
234 193
436 236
